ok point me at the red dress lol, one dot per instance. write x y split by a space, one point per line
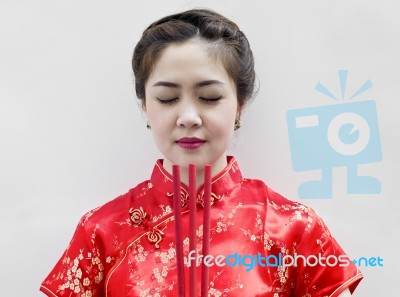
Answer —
126 247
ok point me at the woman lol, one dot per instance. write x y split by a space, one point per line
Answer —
194 74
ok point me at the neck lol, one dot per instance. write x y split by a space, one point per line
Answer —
199 176
216 168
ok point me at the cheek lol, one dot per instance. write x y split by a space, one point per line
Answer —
161 122
222 126
154 114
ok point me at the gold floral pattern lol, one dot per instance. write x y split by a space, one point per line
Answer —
137 216
72 277
155 236
127 246
184 197
214 198
199 198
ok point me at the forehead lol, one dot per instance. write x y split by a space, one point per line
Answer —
189 60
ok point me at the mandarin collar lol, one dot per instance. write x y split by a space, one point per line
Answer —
221 183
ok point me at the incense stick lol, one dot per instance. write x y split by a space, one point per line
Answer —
192 229
206 228
178 229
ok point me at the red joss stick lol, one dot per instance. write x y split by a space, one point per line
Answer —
178 229
206 228
192 229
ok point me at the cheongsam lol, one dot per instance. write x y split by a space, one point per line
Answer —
126 248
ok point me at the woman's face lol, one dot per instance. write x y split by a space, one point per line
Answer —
191 105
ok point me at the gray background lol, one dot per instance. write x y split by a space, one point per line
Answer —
72 136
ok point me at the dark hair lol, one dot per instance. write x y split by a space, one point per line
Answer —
229 44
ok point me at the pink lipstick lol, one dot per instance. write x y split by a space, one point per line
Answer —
190 142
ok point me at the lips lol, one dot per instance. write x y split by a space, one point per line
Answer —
190 142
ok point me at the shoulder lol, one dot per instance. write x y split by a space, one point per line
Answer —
273 199
283 214
115 210
288 207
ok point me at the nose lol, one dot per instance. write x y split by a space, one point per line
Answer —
189 116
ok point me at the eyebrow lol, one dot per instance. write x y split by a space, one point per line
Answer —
197 85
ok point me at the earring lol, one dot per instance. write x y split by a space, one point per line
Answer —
237 124
148 125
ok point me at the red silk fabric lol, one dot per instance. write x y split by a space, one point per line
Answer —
126 247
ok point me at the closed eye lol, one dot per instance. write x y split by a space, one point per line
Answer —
211 100
167 101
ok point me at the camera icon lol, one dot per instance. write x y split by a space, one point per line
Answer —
343 134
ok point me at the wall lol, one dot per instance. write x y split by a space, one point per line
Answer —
72 136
